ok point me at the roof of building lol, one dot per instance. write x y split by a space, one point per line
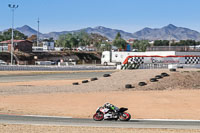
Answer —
15 41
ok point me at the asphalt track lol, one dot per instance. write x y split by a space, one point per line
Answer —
64 121
53 76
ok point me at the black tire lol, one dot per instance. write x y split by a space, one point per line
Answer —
93 79
98 116
158 77
105 64
127 117
172 70
128 86
76 83
164 74
85 81
153 80
180 67
142 83
106 75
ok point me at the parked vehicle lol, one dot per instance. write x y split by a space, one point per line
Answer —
118 57
2 62
107 114
48 63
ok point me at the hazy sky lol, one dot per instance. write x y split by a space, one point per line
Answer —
127 15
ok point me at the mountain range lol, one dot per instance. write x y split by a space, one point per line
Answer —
168 32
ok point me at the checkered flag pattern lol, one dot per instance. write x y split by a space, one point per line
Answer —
192 60
138 60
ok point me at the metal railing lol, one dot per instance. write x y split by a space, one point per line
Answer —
53 68
174 48
153 66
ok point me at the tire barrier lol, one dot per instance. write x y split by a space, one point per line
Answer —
153 80
158 77
76 83
93 79
164 74
142 83
129 86
179 66
106 75
172 70
85 81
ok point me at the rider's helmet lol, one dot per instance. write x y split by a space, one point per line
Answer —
106 105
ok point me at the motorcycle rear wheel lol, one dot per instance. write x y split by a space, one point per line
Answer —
98 116
125 116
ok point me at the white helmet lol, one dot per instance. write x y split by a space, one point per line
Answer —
106 105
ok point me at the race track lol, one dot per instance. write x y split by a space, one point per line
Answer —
64 121
52 76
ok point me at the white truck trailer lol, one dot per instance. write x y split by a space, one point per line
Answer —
118 57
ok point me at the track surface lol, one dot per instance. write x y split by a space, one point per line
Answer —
55 76
62 121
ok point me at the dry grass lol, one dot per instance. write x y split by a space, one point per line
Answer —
6 128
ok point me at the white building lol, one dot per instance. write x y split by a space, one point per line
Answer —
48 46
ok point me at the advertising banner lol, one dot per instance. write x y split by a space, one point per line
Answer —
166 60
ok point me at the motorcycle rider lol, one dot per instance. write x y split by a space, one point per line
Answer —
111 107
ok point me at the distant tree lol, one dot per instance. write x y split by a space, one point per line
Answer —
157 43
7 35
61 41
165 43
161 43
48 39
68 41
73 42
105 47
141 45
119 42
51 39
186 43
81 39
118 36
1 38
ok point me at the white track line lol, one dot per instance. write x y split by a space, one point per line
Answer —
45 116
186 120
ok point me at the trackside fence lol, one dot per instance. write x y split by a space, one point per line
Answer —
53 68
153 66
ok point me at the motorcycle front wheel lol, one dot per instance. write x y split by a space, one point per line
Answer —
125 116
98 116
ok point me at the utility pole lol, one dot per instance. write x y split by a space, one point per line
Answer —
12 7
38 32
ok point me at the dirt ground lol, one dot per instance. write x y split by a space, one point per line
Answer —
173 97
176 104
4 128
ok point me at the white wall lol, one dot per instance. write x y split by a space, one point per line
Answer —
188 53
48 45
121 56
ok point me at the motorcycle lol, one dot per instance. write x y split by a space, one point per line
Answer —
107 114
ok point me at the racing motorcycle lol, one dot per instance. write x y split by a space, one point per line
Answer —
107 114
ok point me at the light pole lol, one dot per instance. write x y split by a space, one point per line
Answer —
12 7
38 32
